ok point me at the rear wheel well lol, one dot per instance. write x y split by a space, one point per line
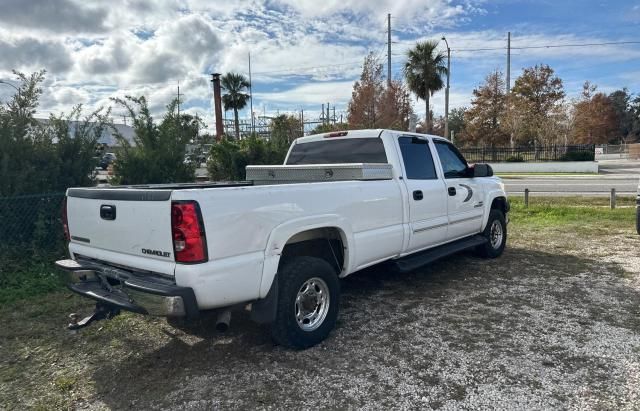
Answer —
326 243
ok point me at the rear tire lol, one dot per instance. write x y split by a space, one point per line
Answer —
496 234
308 301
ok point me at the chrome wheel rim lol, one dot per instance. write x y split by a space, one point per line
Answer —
312 304
496 234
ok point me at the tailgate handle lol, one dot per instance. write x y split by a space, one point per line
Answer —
108 212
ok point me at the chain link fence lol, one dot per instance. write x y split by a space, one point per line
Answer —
31 239
30 228
32 222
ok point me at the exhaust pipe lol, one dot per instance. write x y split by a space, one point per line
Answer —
223 320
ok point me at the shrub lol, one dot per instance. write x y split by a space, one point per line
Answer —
578 156
514 159
229 158
159 153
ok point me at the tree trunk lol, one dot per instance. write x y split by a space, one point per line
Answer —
237 123
427 119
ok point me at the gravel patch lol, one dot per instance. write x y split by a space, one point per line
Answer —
554 323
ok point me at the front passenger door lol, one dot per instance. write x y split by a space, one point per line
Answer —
465 194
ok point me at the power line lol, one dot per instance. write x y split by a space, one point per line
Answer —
551 46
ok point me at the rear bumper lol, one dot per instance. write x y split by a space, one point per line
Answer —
141 293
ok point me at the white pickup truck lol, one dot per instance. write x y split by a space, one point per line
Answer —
342 201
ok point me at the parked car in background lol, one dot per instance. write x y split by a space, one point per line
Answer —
107 160
341 202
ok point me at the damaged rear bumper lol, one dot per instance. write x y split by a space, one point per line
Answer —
141 293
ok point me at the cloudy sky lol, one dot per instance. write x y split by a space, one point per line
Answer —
304 53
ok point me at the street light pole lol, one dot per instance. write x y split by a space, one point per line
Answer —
446 91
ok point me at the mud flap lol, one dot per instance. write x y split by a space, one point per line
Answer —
264 311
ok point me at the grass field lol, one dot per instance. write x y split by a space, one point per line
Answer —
551 324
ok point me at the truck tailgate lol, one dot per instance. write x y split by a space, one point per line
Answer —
132 225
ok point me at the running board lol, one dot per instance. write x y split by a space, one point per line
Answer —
412 262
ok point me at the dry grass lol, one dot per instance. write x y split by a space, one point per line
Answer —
554 323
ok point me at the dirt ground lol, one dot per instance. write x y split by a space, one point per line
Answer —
554 323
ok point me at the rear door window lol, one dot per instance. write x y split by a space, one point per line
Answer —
336 151
418 162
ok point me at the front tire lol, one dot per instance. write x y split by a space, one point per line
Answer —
496 234
308 301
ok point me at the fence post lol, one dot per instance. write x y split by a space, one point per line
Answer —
526 197
612 200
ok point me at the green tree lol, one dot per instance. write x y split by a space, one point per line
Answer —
284 129
326 128
424 71
159 151
42 156
483 120
635 125
536 99
235 97
628 121
457 123
230 158
595 118
394 107
39 159
361 112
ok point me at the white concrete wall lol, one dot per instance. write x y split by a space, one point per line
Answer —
612 156
547 167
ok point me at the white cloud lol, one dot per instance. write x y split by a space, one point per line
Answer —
33 54
335 92
303 53
60 16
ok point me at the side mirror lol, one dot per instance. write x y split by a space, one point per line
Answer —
482 170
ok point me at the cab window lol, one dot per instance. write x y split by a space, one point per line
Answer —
453 164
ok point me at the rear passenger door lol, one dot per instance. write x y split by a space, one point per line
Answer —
426 194
464 193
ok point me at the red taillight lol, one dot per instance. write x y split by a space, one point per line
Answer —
336 134
65 223
187 229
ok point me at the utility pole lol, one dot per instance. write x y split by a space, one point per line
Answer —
328 116
446 92
508 62
334 114
179 122
178 98
253 126
509 82
302 121
322 114
389 49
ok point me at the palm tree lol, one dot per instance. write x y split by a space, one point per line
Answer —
424 70
235 97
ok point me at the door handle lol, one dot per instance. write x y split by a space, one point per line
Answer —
452 191
108 212
417 195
